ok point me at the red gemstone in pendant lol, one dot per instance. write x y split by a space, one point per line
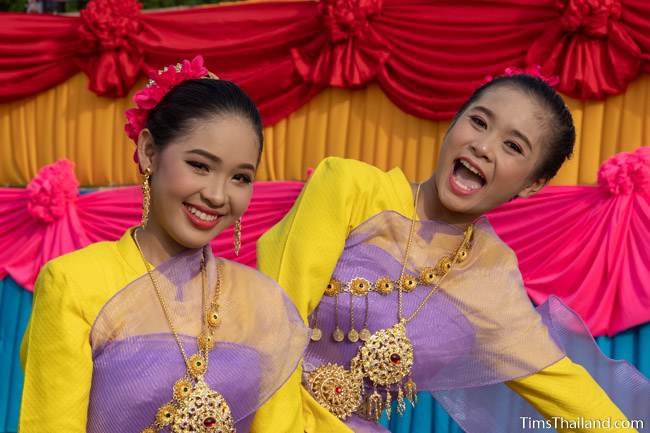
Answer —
338 390
395 358
209 422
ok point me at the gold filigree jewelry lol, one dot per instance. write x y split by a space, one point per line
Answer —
360 286
146 197
444 266
213 317
182 388
336 389
386 358
237 236
197 365
411 390
204 410
165 415
206 341
195 407
384 285
428 276
333 288
408 283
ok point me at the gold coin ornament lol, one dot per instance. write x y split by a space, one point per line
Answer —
316 334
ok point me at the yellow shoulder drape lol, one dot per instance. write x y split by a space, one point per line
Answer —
72 122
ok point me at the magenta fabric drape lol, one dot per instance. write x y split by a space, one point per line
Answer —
427 56
588 244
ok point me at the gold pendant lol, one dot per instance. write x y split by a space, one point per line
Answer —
338 335
336 389
387 357
203 410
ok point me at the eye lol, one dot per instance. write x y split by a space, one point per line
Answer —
199 166
514 146
243 178
476 120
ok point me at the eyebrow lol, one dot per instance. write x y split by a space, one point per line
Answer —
516 132
217 160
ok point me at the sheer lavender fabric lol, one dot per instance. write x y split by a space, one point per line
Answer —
479 330
136 360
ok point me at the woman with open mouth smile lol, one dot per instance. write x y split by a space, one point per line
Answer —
406 287
154 333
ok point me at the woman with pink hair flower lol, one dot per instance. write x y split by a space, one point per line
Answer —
153 332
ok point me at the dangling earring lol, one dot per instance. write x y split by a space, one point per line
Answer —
237 236
146 197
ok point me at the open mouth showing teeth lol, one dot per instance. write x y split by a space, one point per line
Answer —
466 176
201 215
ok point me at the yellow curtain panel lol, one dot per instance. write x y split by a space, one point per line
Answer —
69 121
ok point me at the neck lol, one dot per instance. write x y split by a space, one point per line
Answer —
431 208
156 245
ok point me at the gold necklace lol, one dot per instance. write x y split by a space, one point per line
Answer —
194 406
386 357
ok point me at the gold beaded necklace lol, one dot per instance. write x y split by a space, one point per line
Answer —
194 406
386 357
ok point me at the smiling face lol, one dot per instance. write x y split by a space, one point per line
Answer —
491 153
201 181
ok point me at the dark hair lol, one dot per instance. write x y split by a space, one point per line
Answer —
561 132
200 99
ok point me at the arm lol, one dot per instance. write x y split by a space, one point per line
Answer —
57 359
300 253
566 390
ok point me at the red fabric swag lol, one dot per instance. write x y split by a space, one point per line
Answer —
427 56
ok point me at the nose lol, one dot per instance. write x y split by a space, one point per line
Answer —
214 193
483 150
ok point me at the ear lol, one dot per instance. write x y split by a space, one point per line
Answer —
532 188
145 150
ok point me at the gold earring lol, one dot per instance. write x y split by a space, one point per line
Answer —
146 197
237 236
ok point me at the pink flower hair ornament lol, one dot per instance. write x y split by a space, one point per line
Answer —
160 83
535 71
